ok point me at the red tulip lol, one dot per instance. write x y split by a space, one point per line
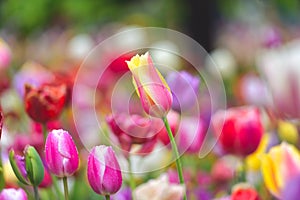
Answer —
245 194
45 103
240 129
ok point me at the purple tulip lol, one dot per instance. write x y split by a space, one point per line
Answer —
103 170
61 153
185 89
13 194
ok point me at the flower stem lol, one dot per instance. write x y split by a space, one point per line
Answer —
175 151
36 193
65 181
107 197
131 177
44 129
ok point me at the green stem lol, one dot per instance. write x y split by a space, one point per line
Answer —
175 151
131 177
66 188
56 188
44 128
36 193
107 197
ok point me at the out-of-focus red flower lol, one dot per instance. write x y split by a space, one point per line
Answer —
45 103
222 172
134 129
47 181
245 194
239 129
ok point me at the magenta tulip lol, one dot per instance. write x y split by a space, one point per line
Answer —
103 170
13 194
5 55
61 153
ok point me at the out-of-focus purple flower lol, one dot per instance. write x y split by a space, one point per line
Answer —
103 170
159 189
61 154
281 69
13 194
272 38
291 190
5 54
31 73
185 90
123 194
173 176
190 135
201 194
135 129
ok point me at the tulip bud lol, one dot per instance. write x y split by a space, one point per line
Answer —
150 86
61 153
239 129
245 194
103 171
13 194
28 169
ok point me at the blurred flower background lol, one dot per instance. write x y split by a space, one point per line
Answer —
255 47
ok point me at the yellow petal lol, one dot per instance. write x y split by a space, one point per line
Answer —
268 173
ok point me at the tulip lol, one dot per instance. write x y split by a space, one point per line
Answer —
103 171
45 103
185 90
280 68
239 129
29 169
280 165
245 194
5 55
13 194
288 132
61 154
151 87
159 189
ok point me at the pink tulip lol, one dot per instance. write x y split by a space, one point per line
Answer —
61 153
150 86
103 170
5 54
13 194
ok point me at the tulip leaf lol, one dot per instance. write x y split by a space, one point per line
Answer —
16 169
34 166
